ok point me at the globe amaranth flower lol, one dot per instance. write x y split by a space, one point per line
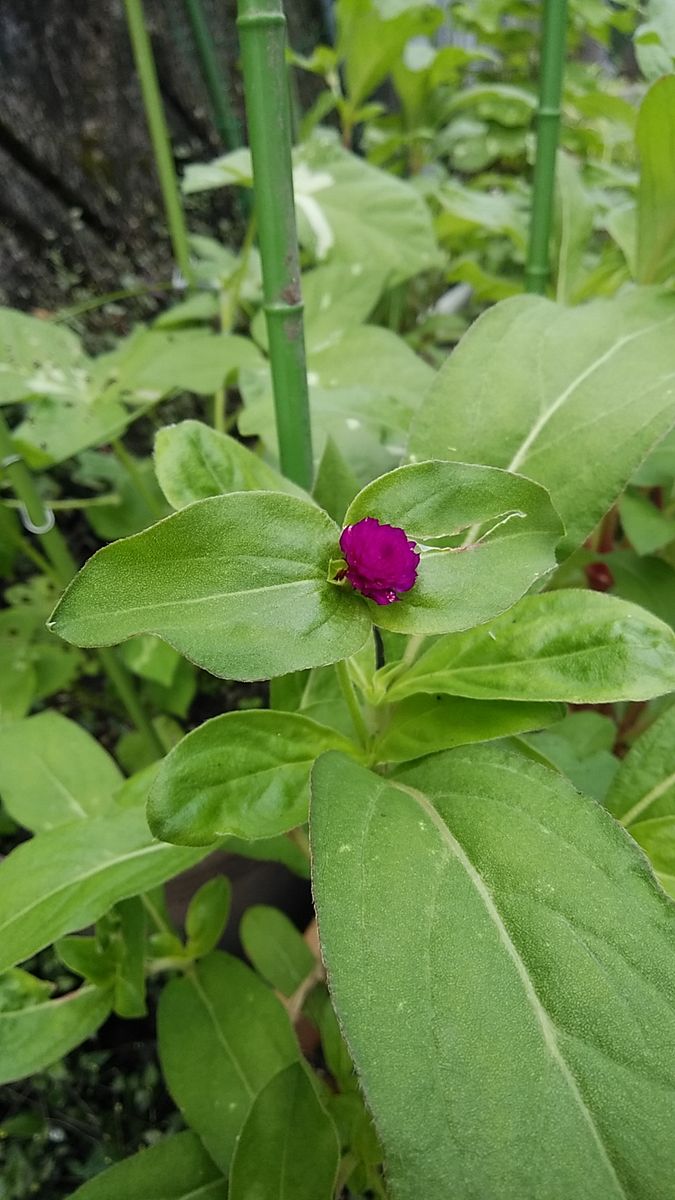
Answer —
381 560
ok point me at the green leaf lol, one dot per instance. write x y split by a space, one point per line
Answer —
135 752
193 461
572 397
20 989
649 582
574 646
33 1038
18 682
176 1168
66 878
86 956
345 207
359 214
36 357
655 40
243 773
575 211
512 534
240 1037
372 37
425 724
151 659
581 747
154 363
207 915
656 836
140 502
655 137
512 1036
129 925
658 469
644 785
288 1148
275 947
238 584
335 483
645 526
52 771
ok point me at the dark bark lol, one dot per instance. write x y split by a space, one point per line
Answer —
80 205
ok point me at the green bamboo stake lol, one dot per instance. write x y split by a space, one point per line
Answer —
39 520
225 121
159 134
262 28
548 125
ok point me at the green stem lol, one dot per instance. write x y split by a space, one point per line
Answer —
352 702
548 125
68 314
225 121
64 565
219 410
229 296
69 504
159 134
122 684
131 467
262 29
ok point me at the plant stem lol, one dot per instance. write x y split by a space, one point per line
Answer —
548 125
224 119
159 134
131 467
146 289
121 681
219 410
262 28
64 565
351 699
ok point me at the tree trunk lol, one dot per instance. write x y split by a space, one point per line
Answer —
80 207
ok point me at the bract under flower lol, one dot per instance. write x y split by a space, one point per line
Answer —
381 560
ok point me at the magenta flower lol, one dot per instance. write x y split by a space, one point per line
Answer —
381 560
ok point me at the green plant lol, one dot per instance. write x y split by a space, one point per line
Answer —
491 1010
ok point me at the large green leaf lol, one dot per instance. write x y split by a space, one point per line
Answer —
503 967
193 461
574 646
423 725
655 137
512 533
288 1148
244 774
53 771
176 1168
346 208
34 1037
239 1038
572 397
66 878
644 785
237 583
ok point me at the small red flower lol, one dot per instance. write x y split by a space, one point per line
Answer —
381 560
